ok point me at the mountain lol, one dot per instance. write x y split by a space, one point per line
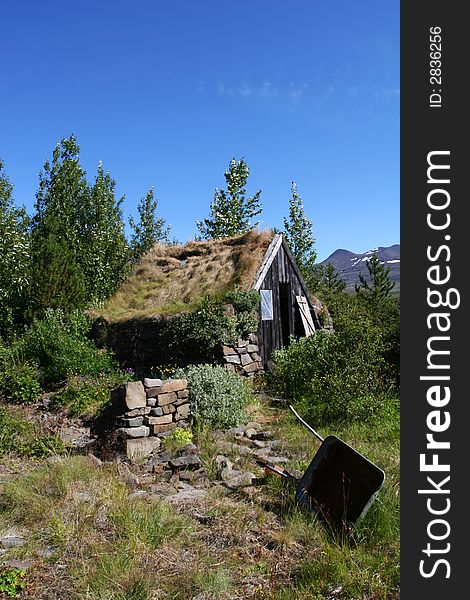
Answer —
349 264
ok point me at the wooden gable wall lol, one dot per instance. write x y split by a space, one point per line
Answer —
281 270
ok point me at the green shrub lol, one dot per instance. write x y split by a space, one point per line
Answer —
335 377
58 344
177 439
19 381
12 580
85 395
24 438
218 397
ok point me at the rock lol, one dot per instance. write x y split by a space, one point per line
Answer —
240 479
235 359
189 449
183 411
132 422
77 437
245 359
135 432
169 409
252 348
96 462
256 357
138 494
152 392
167 398
180 401
244 441
250 432
231 368
274 444
150 383
162 430
235 448
253 425
187 496
47 552
261 435
12 541
183 394
228 350
262 452
151 401
242 343
130 395
24 565
157 411
252 367
82 497
278 459
141 448
253 338
137 412
173 385
242 350
222 463
188 461
163 420
127 475
238 431
162 457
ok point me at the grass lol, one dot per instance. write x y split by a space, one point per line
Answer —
256 544
174 279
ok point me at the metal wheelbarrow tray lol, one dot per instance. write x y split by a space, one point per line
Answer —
339 485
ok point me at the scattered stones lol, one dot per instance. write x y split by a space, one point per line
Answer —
12 541
187 461
96 462
189 495
74 437
140 448
240 479
24 565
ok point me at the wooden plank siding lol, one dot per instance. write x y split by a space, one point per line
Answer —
282 270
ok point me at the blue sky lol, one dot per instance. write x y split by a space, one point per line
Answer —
166 93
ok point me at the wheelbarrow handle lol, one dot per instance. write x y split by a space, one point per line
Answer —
315 433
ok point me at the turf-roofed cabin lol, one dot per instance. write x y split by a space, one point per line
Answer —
172 281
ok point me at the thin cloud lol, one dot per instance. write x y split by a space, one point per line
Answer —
265 90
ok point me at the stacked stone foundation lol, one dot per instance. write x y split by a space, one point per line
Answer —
149 410
243 357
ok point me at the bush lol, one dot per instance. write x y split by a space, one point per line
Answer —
337 376
19 381
59 346
25 439
85 395
218 397
177 439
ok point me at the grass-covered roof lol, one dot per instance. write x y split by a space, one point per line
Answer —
172 279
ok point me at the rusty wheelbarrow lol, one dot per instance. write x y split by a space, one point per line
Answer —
339 485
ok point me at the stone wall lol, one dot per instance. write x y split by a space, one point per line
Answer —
243 357
148 411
